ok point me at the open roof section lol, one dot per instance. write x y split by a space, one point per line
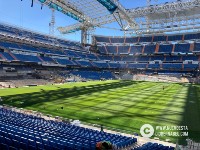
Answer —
91 8
161 18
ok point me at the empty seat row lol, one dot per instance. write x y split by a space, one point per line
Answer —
151 49
94 75
20 130
7 29
156 38
153 146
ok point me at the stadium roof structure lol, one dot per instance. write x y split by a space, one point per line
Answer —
90 13
178 16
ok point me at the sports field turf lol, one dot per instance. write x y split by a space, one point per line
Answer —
125 105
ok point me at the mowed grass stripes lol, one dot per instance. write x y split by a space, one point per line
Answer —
125 105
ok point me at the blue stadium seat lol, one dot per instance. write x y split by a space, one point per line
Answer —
112 49
190 57
142 58
182 48
27 58
92 57
172 58
136 49
177 66
84 63
137 66
191 66
105 57
117 40
165 48
153 66
153 146
7 56
159 38
117 58
190 37
149 49
175 37
102 49
196 47
131 40
145 39
71 53
159 58
94 75
100 64
114 65
129 58
102 39
123 49
65 61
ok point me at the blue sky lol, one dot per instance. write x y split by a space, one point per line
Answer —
20 13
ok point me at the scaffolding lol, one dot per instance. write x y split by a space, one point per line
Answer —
174 16
52 23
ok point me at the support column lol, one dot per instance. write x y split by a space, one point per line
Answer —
84 36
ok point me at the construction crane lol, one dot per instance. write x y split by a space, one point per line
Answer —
147 18
52 23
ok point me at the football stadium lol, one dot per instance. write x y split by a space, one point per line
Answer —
99 75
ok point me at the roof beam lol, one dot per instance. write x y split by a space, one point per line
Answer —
66 8
125 15
108 4
115 5
164 8
169 14
95 23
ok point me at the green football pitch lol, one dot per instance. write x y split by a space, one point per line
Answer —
123 105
